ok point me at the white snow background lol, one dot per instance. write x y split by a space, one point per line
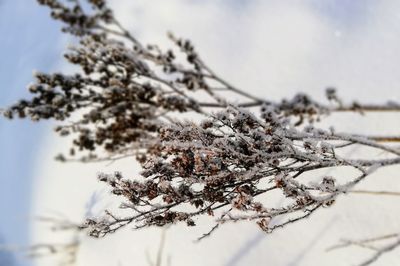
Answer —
273 49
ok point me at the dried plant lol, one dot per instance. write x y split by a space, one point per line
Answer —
66 253
129 99
373 245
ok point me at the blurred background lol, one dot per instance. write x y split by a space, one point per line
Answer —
270 47
29 41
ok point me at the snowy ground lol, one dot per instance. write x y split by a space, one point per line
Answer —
274 49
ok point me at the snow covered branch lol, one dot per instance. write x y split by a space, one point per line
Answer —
129 100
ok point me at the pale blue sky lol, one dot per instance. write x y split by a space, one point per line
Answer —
29 40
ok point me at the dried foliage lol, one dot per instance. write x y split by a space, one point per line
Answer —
127 100
66 253
390 242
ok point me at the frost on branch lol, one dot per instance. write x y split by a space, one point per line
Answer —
228 164
128 100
